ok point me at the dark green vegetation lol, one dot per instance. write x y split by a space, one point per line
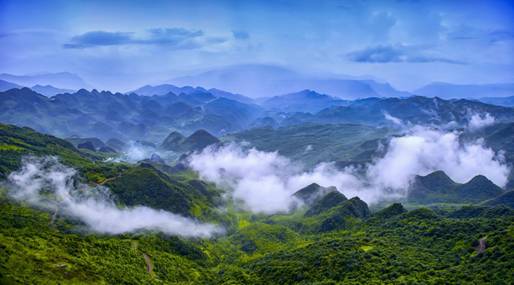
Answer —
506 199
16 142
329 240
437 187
200 139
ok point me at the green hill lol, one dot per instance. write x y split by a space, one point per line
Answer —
15 142
195 142
437 187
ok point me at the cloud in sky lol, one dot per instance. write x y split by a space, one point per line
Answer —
492 36
303 35
240 35
170 37
396 53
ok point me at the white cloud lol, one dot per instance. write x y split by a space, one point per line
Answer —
425 150
136 151
394 120
265 181
40 177
478 121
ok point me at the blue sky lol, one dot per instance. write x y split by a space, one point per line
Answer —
120 45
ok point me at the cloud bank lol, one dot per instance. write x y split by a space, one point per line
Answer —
478 121
176 38
46 183
397 53
265 181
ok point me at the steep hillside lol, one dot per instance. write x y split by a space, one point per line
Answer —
506 199
16 142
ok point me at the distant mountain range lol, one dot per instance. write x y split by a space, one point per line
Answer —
163 89
64 80
303 101
47 90
246 82
114 115
469 91
500 101
129 116
6 85
258 80
414 110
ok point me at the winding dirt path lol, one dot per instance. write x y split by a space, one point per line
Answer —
149 264
482 245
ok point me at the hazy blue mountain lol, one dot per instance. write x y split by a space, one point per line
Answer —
232 96
162 89
197 97
415 109
114 115
49 90
62 79
235 111
6 85
499 101
198 140
259 80
314 143
472 91
303 101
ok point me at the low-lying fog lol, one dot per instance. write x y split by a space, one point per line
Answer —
265 181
